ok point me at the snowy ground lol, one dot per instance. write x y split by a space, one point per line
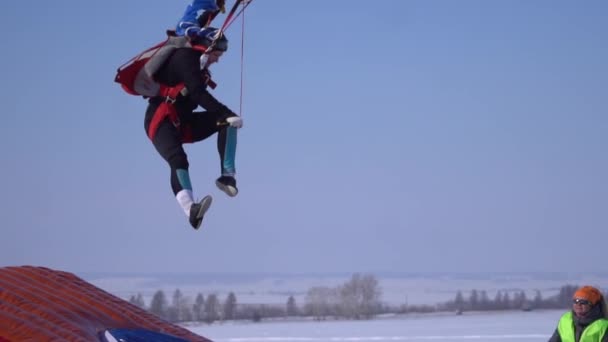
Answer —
516 326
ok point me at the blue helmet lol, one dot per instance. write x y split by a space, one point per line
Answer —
208 36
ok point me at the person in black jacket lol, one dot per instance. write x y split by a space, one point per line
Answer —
171 120
587 321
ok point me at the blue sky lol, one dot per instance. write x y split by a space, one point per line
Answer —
412 136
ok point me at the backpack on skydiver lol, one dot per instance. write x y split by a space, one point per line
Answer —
137 75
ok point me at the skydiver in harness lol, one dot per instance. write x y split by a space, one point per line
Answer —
190 67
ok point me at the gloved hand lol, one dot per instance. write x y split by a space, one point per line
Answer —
192 31
235 121
222 5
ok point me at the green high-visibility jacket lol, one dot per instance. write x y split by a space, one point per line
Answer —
594 332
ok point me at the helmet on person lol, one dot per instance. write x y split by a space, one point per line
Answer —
208 36
589 294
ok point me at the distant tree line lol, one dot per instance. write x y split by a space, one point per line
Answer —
183 309
478 300
358 298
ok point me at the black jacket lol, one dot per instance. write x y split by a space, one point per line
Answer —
183 66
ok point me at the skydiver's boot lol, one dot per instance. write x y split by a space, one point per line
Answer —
198 210
228 185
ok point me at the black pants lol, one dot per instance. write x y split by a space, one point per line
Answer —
198 126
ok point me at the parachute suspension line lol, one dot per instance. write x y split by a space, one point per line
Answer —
228 19
242 59
230 15
220 32
227 23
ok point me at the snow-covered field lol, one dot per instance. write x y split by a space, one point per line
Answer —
516 326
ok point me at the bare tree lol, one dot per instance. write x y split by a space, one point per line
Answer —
318 302
348 299
370 295
360 297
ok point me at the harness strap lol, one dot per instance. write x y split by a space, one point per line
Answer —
166 109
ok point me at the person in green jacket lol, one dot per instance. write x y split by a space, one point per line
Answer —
588 320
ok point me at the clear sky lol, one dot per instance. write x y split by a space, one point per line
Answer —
390 135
